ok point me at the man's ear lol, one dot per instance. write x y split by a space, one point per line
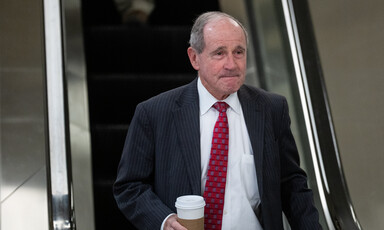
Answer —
193 58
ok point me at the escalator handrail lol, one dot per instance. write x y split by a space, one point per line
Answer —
335 198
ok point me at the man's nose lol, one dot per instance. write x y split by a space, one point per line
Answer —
230 62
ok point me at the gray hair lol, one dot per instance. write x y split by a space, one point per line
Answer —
196 39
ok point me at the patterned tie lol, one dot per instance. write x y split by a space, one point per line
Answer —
217 171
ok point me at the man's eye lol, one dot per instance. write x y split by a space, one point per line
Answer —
239 53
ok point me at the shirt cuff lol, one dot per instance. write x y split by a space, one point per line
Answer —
166 218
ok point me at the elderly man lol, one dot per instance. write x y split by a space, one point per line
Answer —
218 138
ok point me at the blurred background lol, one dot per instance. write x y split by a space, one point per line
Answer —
72 72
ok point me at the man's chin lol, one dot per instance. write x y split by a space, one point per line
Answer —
233 85
231 90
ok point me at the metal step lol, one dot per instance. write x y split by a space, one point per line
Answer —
122 49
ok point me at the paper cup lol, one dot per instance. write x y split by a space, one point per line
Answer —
190 211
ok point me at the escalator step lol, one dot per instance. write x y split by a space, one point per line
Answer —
122 49
113 98
107 214
107 146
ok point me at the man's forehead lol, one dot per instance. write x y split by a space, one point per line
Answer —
211 25
225 39
217 48
224 28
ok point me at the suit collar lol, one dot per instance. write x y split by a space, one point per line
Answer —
189 95
206 100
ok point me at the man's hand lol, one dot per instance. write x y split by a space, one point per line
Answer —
172 224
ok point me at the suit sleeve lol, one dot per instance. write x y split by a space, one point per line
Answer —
297 198
133 188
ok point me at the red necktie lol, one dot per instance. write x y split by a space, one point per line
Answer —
217 171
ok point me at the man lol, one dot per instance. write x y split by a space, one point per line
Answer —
168 147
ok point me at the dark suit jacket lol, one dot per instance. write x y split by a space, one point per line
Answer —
161 159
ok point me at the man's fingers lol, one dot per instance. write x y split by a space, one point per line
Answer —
173 224
177 226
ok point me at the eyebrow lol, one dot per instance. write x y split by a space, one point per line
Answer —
222 48
240 47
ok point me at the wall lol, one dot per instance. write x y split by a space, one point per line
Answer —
350 39
23 172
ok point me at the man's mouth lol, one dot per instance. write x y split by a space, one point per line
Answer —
229 76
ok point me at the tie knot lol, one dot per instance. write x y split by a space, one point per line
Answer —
221 106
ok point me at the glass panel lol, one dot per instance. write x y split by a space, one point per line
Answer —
350 41
23 171
276 73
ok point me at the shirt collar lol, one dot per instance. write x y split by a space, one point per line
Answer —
206 100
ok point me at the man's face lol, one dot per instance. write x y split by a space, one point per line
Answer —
222 64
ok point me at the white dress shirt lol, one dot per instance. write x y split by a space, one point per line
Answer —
241 193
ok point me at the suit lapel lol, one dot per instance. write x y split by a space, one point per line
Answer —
187 121
254 116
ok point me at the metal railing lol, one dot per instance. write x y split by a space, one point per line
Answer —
336 203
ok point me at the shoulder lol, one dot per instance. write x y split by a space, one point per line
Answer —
172 98
260 96
272 105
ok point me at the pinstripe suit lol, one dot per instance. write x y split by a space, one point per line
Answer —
161 159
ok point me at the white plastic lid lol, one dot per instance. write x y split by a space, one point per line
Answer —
190 202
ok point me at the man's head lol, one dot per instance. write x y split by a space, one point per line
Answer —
218 52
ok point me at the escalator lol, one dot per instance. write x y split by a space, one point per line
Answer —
46 159
127 64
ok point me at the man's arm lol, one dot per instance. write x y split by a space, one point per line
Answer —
133 189
297 198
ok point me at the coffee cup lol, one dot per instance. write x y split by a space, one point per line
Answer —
190 211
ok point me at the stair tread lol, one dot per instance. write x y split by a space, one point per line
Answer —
126 66
149 49
141 76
